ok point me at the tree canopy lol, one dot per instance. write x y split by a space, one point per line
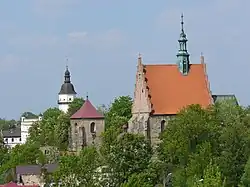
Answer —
199 147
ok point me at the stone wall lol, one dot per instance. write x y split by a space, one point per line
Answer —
81 134
32 179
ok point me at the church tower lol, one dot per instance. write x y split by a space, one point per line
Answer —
67 92
183 55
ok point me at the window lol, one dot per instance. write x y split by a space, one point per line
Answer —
6 139
92 127
12 139
75 128
163 125
70 99
20 139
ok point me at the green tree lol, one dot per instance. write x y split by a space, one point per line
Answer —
130 154
75 105
245 179
212 177
234 141
21 155
190 128
29 115
79 170
62 132
119 112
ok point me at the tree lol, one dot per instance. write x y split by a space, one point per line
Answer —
44 133
245 179
75 105
234 141
62 132
196 135
119 112
79 170
128 155
21 155
189 129
212 177
29 115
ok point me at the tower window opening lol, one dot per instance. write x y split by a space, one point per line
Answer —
75 128
92 127
163 122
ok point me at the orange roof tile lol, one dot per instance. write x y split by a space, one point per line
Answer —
170 91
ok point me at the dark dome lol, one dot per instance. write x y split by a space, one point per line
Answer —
67 88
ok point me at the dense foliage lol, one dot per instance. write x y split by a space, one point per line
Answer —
199 148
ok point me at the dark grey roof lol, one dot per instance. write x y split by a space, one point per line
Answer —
221 98
67 87
13 132
35 169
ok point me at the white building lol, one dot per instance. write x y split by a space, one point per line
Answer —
26 123
67 92
12 137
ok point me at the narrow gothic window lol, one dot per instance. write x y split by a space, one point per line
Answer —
92 127
163 125
84 142
75 127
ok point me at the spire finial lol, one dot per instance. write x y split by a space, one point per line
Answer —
139 55
182 22
67 61
87 96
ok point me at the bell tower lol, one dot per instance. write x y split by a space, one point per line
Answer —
67 92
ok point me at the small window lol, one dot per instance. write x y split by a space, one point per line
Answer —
6 139
163 125
75 127
12 139
92 127
70 99
20 139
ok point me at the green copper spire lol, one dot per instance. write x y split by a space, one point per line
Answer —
182 55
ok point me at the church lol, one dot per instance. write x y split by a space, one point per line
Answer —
162 90
87 124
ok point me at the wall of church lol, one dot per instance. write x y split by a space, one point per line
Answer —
82 132
156 126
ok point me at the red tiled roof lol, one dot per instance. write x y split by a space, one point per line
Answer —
87 111
12 184
170 91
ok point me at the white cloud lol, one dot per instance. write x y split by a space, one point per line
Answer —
35 41
107 40
53 8
9 61
77 36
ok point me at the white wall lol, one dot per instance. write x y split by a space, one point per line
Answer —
25 125
64 100
12 142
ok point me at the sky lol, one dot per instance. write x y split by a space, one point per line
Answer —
102 39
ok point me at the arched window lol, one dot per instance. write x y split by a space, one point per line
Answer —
75 127
163 122
92 127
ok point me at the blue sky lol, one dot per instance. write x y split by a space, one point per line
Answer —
102 40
